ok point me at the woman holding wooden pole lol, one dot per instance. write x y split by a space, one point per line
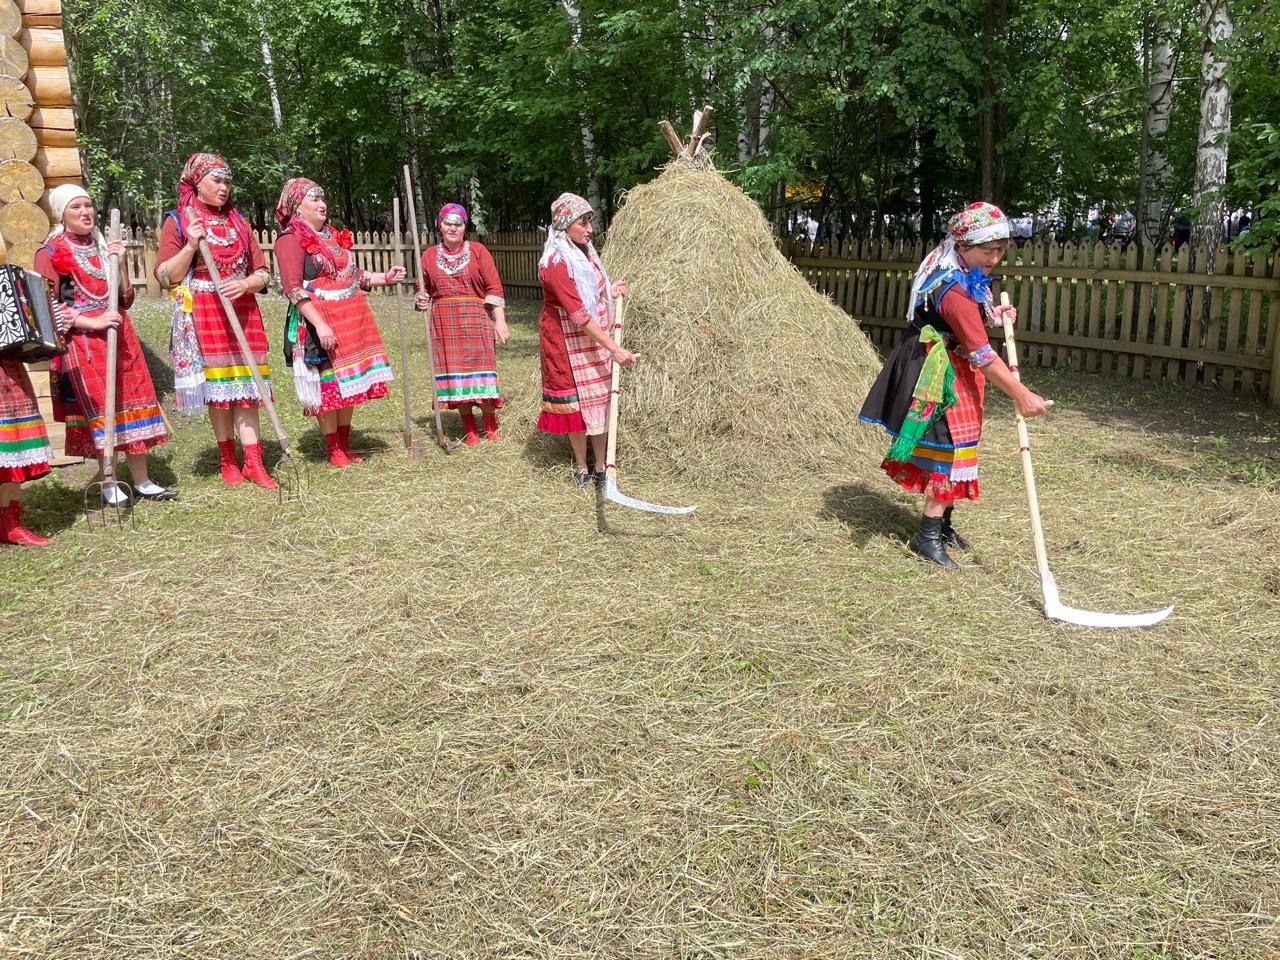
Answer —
327 309
929 395
209 370
74 260
461 288
576 351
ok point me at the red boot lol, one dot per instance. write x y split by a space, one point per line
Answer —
337 456
254 469
344 441
490 423
230 470
469 425
12 530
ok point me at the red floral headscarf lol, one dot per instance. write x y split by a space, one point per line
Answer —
296 190
199 166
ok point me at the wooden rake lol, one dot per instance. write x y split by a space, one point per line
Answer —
1054 608
404 343
443 442
287 474
96 503
611 491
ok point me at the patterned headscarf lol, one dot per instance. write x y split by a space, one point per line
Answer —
59 199
453 208
199 166
566 210
294 192
977 223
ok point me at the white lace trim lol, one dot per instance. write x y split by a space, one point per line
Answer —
26 458
354 388
227 392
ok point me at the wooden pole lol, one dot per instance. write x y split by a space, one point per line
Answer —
113 336
404 343
421 286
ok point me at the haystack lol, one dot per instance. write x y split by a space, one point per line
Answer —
745 369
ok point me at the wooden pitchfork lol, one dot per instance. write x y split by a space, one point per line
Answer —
110 493
611 491
445 444
1055 609
287 475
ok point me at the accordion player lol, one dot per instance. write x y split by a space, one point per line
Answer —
28 329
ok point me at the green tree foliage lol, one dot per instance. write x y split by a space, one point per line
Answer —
866 114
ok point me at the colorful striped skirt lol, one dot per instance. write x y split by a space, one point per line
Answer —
944 464
24 443
463 352
358 369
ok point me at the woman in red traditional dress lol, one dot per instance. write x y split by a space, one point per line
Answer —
576 351
327 309
73 260
929 395
461 288
209 368
24 449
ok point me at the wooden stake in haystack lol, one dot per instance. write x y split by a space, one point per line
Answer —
695 152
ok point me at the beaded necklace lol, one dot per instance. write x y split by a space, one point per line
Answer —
452 264
84 252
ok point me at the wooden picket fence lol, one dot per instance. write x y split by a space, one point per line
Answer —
1092 307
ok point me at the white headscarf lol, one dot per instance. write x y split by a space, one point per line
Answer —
976 223
568 208
59 199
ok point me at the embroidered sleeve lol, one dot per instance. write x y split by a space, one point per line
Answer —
982 356
965 318
363 279
289 261
490 282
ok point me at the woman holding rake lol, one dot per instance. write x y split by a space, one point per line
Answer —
576 351
74 260
331 339
929 395
209 369
461 287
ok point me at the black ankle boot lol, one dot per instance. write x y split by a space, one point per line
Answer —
949 535
927 543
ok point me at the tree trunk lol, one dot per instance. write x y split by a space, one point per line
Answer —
1215 124
1160 59
574 15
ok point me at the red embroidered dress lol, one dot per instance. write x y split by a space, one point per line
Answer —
461 285
226 381
358 369
576 371
75 268
24 444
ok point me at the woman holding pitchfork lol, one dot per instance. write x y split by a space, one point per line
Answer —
929 395
327 309
74 261
209 369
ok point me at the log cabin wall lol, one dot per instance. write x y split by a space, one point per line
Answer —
38 149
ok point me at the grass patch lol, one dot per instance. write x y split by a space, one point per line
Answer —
435 711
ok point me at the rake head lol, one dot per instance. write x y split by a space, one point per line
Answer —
108 502
288 477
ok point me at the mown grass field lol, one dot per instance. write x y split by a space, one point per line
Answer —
445 708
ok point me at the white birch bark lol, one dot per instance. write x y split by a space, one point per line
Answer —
1215 124
574 16
1153 201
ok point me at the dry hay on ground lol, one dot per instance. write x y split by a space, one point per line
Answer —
745 366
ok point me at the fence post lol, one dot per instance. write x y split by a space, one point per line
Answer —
150 245
1273 331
